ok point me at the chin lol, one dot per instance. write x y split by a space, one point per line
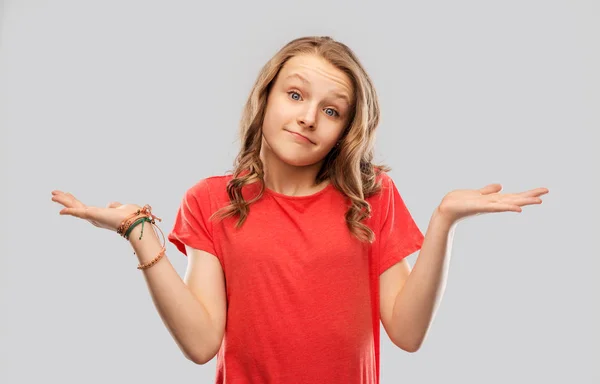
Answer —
295 159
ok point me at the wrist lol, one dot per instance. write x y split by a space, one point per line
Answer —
439 218
142 233
148 246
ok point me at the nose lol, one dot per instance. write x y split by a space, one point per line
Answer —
308 117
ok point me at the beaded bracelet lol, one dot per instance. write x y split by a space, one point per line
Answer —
145 211
152 262
142 216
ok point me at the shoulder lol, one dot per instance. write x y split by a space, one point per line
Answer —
210 185
384 178
211 190
386 186
387 199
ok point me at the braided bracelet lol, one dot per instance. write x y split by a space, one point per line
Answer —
142 216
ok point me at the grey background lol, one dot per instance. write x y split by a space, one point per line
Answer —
137 100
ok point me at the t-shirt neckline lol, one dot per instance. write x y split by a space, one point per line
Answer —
302 197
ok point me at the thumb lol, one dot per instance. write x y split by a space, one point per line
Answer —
490 188
113 204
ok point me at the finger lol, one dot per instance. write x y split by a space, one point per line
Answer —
522 200
535 192
502 207
56 192
508 208
67 200
490 188
114 204
82 213
61 200
532 201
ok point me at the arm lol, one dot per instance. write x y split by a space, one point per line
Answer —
409 299
193 311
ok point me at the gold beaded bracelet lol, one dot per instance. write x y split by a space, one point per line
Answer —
152 262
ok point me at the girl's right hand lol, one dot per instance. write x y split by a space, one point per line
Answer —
109 218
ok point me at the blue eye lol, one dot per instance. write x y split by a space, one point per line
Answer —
333 112
294 93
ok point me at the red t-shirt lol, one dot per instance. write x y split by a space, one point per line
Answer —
302 292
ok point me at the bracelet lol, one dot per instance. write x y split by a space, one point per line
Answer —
152 262
142 220
140 217
145 211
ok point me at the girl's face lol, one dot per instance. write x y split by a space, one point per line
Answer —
307 110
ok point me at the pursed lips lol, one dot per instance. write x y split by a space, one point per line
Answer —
299 134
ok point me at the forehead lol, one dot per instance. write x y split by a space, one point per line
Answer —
317 70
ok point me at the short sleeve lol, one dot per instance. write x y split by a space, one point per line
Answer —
192 225
399 235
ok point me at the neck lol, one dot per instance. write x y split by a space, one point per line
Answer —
289 179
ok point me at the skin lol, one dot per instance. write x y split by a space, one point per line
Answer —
310 97
408 298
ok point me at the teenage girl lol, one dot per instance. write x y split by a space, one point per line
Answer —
296 257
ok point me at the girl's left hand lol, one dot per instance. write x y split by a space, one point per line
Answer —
460 204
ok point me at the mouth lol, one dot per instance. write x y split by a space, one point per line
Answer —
302 137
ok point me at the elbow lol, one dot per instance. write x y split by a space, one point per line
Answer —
202 357
409 340
410 346
191 357
197 359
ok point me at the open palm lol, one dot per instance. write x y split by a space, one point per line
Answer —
462 203
109 218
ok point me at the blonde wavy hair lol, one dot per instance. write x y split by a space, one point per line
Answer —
349 166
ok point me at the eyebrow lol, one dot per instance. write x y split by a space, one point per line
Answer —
338 95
